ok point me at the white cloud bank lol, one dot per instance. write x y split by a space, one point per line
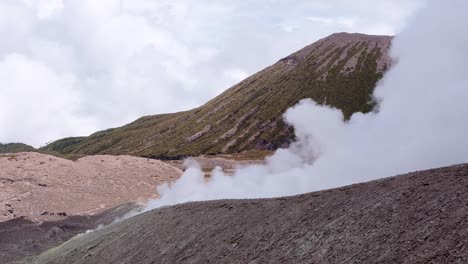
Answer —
71 67
421 123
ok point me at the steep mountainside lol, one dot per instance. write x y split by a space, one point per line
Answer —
340 70
15 147
420 217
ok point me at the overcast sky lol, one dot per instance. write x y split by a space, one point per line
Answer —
71 67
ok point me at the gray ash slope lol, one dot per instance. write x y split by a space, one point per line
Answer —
22 239
420 217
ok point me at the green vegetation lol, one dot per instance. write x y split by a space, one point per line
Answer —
20 147
15 147
249 115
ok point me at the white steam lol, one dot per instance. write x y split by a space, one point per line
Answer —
422 122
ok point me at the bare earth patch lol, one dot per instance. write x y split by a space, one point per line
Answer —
41 187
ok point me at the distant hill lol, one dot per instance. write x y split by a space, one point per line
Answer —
340 70
15 147
419 217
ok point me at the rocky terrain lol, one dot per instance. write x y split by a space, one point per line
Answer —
340 70
41 187
420 217
46 200
22 239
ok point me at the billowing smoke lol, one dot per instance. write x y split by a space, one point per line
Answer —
421 122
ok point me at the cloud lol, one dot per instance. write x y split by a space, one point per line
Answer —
346 23
133 58
420 124
19 76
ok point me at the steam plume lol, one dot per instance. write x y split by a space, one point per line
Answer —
421 123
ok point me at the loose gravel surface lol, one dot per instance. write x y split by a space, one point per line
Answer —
22 239
421 217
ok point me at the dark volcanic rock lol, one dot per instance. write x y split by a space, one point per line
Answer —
21 239
420 217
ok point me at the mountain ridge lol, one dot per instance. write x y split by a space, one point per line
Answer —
340 70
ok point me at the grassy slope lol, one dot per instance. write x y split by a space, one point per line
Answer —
340 70
15 147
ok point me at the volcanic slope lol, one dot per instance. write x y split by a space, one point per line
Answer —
22 239
420 217
340 70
